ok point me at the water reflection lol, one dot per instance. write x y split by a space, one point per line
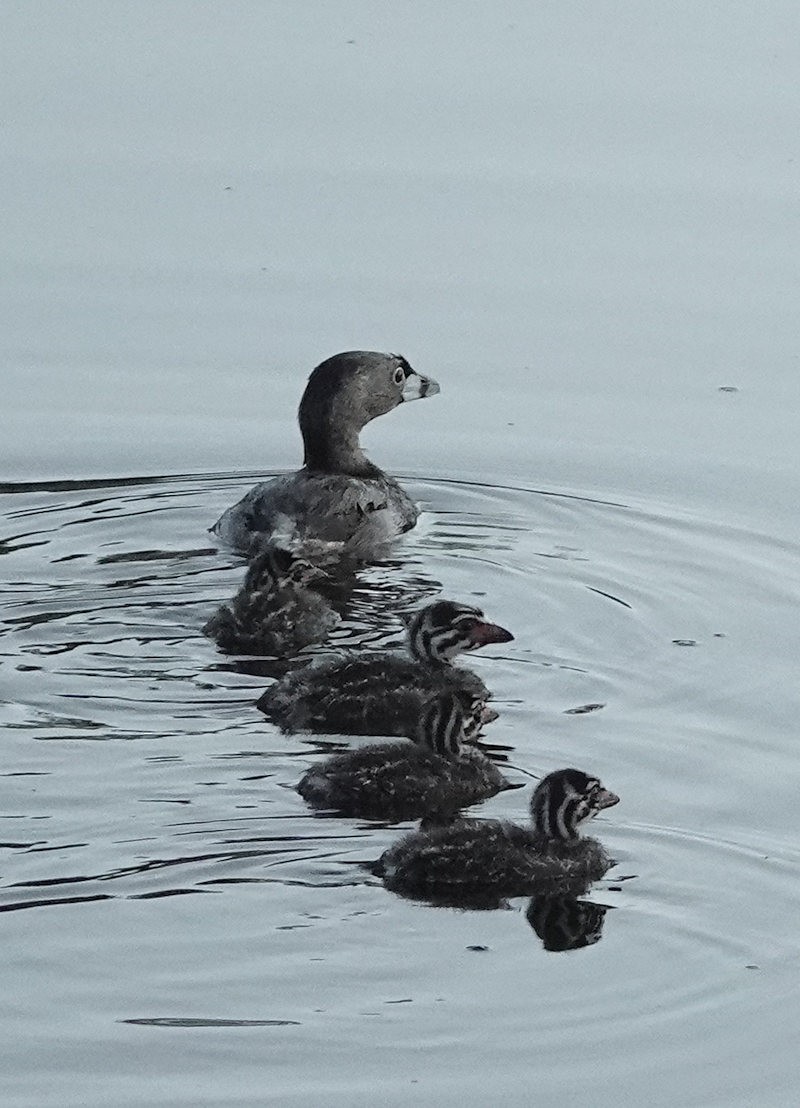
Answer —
563 923
100 641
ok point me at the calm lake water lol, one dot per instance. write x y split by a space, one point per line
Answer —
582 220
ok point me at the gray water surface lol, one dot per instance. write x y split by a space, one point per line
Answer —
176 885
582 220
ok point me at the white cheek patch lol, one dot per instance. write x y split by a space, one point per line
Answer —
416 387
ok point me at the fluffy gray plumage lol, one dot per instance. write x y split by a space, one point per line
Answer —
397 781
300 618
475 856
373 694
274 613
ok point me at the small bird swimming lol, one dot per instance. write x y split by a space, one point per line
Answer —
383 693
275 612
494 858
434 775
339 499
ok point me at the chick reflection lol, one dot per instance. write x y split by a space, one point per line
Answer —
563 923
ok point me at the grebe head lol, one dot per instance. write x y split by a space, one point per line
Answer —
342 395
444 629
447 721
564 800
276 568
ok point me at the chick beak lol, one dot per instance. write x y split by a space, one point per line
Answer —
482 634
604 799
417 387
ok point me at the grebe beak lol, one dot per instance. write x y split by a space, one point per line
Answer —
482 633
604 799
417 387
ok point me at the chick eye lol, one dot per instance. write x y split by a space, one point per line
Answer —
399 375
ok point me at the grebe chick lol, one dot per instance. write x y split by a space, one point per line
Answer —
436 774
380 693
274 612
338 496
496 858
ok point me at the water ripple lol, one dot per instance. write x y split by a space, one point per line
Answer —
130 738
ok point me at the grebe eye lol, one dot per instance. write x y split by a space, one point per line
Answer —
399 375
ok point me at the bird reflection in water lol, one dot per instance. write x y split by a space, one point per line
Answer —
563 923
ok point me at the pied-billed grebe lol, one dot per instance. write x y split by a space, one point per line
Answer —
379 693
493 857
339 496
436 774
274 612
